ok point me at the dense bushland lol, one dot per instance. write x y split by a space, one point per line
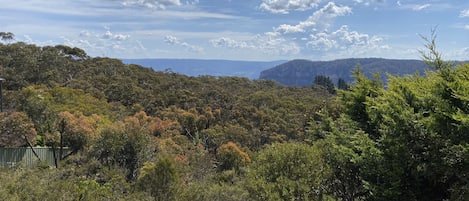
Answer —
139 134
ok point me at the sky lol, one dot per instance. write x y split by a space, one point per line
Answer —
252 30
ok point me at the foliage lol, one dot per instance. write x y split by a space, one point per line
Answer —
287 171
232 157
117 147
214 191
433 58
325 82
139 134
7 36
77 131
350 155
160 179
342 84
418 124
16 129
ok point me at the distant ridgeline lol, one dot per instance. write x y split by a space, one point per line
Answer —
196 67
303 72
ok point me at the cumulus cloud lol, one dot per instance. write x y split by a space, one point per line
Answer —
284 6
321 41
351 37
344 39
300 27
109 35
172 40
464 13
154 4
321 19
332 10
311 34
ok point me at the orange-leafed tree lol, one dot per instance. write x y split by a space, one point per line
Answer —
76 130
232 157
16 130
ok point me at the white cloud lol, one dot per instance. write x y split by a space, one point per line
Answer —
332 10
466 27
420 7
464 13
351 37
85 33
284 6
300 27
104 43
109 35
369 2
154 4
321 41
459 54
321 19
30 40
273 44
229 43
344 39
312 33
269 43
172 40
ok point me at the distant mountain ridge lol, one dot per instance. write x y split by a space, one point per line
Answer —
302 72
196 67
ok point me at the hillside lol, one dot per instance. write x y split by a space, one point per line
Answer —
139 134
196 67
302 72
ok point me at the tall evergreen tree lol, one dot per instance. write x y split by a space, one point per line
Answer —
325 82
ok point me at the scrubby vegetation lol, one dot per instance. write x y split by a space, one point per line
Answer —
139 134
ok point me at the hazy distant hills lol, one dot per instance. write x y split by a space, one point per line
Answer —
295 72
302 72
196 67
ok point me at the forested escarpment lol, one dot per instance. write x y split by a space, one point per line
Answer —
139 134
302 72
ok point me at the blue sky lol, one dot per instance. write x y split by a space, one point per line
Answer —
261 30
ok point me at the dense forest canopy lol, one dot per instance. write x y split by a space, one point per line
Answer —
140 134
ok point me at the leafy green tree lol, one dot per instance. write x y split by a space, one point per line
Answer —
7 36
35 102
124 144
354 101
419 126
159 179
350 155
288 171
